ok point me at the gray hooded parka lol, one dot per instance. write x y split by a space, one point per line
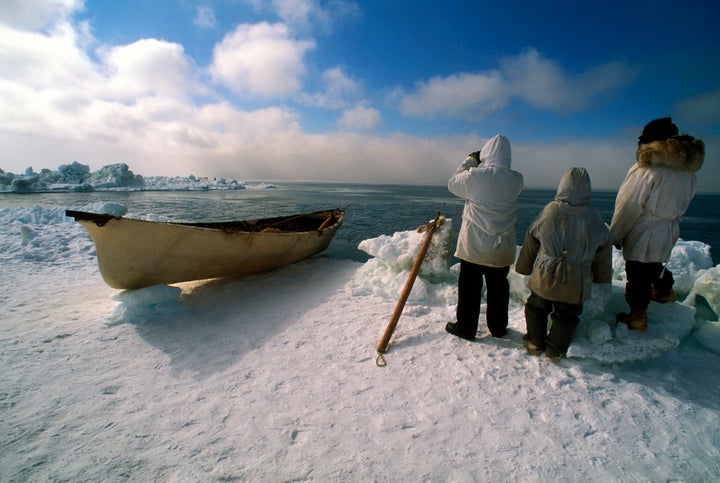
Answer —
568 246
490 190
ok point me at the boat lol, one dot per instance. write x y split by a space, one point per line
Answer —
133 254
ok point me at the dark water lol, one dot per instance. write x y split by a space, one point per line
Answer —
371 210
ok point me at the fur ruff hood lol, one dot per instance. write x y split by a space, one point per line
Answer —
681 152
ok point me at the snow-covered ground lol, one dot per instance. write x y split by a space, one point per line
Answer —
274 378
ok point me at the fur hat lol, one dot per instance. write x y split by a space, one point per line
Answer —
658 130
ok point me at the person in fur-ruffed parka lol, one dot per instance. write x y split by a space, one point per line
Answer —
566 249
656 192
487 240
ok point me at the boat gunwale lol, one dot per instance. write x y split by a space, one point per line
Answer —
255 226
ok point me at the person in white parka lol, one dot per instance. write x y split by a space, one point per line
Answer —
656 192
487 241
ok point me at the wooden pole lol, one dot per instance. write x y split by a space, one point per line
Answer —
382 346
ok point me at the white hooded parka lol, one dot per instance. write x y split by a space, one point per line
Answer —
490 190
655 194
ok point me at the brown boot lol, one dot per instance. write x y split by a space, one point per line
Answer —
635 320
663 297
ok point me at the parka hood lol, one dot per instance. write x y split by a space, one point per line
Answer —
681 152
496 152
574 187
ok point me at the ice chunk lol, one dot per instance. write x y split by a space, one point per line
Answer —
158 302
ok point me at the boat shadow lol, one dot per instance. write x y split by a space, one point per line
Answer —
215 323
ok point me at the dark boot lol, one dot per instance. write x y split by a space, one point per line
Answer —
565 319
454 329
635 320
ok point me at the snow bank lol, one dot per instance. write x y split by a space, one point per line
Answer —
272 377
705 293
386 274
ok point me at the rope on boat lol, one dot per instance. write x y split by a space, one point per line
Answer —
327 222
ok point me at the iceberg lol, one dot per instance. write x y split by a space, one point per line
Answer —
77 177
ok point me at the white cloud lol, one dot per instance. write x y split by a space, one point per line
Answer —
41 60
204 17
360 118
338 91
147 67
37 14
462 95
528 77
260 60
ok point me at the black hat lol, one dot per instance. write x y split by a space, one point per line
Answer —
658 130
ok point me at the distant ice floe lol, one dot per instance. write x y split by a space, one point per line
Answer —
77 177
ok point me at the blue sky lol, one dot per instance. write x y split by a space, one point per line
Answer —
378 91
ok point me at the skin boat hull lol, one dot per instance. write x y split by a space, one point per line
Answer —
133 254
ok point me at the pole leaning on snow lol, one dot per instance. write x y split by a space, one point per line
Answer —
429 229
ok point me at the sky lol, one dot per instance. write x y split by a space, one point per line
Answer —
343 91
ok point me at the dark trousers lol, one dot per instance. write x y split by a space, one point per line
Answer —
470 285
565 319
641 278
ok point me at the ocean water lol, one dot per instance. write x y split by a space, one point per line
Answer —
371 210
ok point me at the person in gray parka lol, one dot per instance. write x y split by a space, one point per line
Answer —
487 241
566 249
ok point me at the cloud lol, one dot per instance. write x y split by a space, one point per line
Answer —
528 77
459 95
339 90
542 164
204 17
260 60
544 84
37 14
43 60
306 14
704 108
360 118
145 68
295 11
